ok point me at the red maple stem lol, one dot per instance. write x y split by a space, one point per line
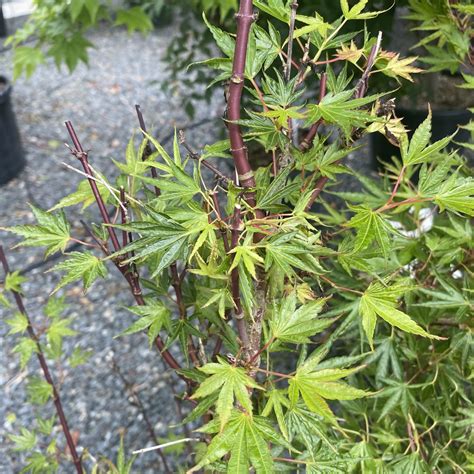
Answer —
308 139
82 156
245 17
46 372
147 151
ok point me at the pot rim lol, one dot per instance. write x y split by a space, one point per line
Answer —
8 87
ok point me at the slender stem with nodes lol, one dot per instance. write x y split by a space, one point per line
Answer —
82 156
308 139
360 91
294 8
46 372
126 269
245 17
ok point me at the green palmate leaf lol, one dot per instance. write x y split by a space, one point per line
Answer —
341 109
39 391
80 266
302 424
232 383
18 324
289 324
277 402
277 190
391 65
153 317
135 19
58 329
25 348
79 357
13 281
418 149
315 23
315 386
91 6
247 254
55 307
52 231
25 60
124 465
246 439
83 195
370 226
456 195
160 237
25 441
291 251
45 426
224 41
270 43
275 8
379 300
4 301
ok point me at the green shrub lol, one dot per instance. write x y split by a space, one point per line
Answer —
320 329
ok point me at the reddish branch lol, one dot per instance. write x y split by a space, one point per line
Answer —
126 269
147 152
308 139
245 17
131 389
360 91
294 8
46 373
82 156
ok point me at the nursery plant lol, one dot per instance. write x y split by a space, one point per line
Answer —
310 328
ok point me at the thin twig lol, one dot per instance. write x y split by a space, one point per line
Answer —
195 156
294 8
148 151
360 91
165 445
139 404
308 139
83 158
46 372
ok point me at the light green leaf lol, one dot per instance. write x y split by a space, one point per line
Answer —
135 19
18 324
52 231
24 441
80 265
381 301
39 391
231 382
289 324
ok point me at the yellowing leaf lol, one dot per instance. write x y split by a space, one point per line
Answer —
391 65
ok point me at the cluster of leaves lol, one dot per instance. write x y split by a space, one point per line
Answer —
357 309
57 30
446 30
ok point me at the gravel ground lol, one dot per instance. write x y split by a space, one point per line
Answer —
99 100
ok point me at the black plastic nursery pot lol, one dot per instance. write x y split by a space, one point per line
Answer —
444 123
3 23
12 158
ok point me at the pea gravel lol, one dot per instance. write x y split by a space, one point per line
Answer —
99 100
